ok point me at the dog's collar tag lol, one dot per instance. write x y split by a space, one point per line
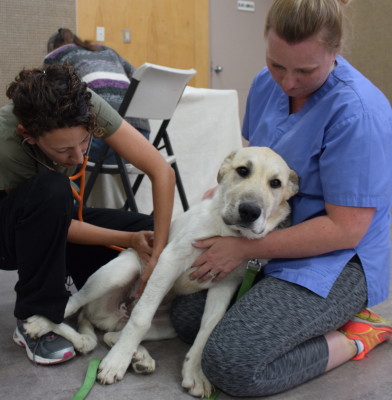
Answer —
254 264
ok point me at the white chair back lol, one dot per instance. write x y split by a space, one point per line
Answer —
153 94
158 91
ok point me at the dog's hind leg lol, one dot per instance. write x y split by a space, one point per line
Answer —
111 338
161 328
142 362
37 326
116 273
218 300
86 329
116 362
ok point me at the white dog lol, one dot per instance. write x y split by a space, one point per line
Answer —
251 200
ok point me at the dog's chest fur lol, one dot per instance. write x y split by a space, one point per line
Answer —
207 222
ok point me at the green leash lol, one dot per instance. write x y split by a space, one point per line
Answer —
89 381
213 396
252 269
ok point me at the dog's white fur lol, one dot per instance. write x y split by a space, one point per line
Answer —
251 200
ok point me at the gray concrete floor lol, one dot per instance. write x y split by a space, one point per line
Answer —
368 379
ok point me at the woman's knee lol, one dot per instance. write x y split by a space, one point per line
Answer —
234 375
51 189
53 184
224 371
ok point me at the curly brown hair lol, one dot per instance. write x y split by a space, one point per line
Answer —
51 98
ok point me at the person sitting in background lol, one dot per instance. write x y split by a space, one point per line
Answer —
104 71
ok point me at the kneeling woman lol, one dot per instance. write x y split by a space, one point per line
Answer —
44 134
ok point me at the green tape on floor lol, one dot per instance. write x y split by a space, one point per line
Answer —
89 381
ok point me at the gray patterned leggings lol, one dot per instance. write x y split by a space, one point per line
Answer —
272 339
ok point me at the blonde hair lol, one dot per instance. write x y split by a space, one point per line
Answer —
297 20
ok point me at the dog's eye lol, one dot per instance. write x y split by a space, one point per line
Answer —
243 171
275 183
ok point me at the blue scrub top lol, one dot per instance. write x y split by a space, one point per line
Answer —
340 144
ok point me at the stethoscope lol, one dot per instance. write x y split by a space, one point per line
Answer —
81 174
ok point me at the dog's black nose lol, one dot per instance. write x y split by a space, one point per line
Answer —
249 211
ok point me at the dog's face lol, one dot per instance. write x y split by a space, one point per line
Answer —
255 184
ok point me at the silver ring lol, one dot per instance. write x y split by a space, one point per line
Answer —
212 274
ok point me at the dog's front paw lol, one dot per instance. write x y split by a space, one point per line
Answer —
195 382
113 367
36 326
85 344
111 338
142 362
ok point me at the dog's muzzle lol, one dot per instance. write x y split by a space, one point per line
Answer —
244 218
249 211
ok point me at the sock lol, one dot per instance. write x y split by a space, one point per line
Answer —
360 346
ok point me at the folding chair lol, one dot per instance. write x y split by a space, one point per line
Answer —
153 93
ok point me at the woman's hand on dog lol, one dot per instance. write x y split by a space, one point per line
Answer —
221 256
142 242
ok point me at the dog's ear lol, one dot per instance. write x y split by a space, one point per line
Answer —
293 185
225 166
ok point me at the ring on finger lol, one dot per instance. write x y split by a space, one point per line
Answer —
212 274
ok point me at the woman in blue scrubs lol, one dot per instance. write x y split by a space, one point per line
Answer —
334 128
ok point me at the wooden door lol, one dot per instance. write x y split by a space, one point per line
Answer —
167 32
